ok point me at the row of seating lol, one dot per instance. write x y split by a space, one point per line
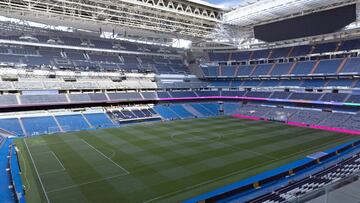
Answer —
8 100
45 124
52 58
187 111
131 114
284 52
303 68
85 41
295 190
308 83
60 84
350 121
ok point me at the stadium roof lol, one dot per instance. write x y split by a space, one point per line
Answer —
184 19
262 11
237 29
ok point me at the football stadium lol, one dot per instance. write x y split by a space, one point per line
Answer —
189 101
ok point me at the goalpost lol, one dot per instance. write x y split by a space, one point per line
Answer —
57 129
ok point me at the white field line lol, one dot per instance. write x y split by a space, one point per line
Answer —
86 183
56 157
54 171
126 171
37 172
51 172
234 173
27 186
55 143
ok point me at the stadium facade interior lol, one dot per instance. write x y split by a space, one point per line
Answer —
179 101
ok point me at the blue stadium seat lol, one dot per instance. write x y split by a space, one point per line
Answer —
40 125
270 83
280 52
201 109
72 122
313 83
290 83
213 71
11 125
328 66
334 97
165 112
218 56
281 69
301 50
326 47
245 70
306 96
178 94
207 93
340 83
228 71
260 54
181 111
251 83
280 95
233 93
240 56
352 65
212 107
350 45
262 69
303 68
354 99
99 120
236 83
220 84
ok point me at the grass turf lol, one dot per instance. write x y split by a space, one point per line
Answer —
160 162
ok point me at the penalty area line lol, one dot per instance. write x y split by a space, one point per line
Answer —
116 164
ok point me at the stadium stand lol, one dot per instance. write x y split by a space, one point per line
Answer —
311 183
54 81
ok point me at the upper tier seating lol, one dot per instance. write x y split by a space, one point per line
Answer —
83 60
6 100
228 71
353 99
42 99
219 56
305 96
301 50
182 94
350 45
262 69
280 95
281 69
303 68
240 56
261 54
280 53
323 48
333 97
328 66
125 96
352 65
245 70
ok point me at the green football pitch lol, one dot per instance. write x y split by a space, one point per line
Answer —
160 162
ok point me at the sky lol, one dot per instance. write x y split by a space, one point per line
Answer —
224 3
